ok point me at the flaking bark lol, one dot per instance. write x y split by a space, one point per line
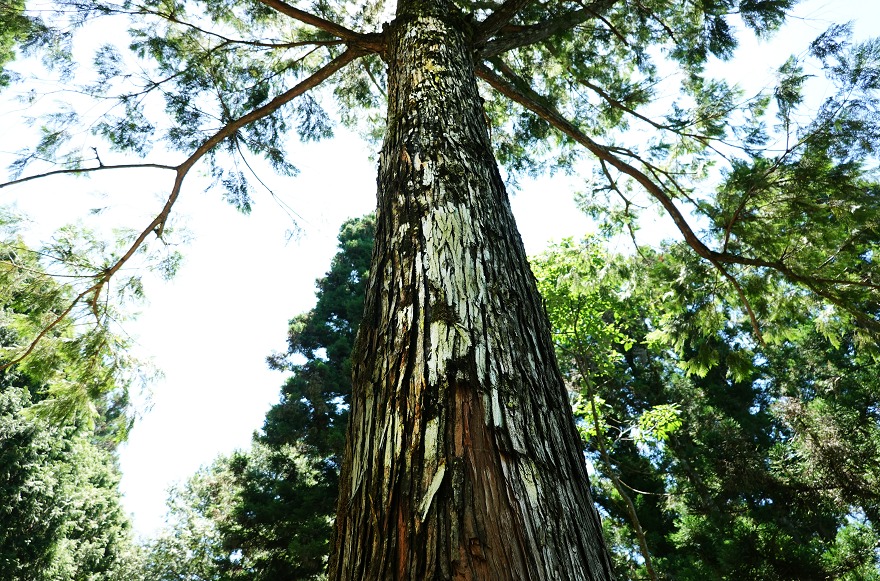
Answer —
463 460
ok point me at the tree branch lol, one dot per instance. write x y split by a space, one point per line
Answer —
369 42
627 204
498 19
85 170
583 369
171 17
311 82
548 28
520 92
742 297
157 225
45 330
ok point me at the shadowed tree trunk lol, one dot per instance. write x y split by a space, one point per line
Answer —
463 461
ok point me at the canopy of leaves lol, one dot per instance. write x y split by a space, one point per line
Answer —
61 517
14 28
777 180
743 460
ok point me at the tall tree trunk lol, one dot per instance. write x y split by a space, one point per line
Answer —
463 461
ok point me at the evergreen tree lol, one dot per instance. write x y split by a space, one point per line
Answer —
190 546
461 458
723 467
267 513
313 412
61 517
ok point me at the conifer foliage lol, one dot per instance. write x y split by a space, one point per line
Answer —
461 457
715 452
60 507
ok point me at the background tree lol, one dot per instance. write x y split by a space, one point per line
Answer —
267 513
454 333
61 517
712 439
736 466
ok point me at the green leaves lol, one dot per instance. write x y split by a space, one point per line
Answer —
742 459
789 90
237 190
14 28
764 16
129 132
62 517
68 331
659 422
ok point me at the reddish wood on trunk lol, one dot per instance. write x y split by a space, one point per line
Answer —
462 461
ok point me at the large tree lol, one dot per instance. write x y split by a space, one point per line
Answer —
462 460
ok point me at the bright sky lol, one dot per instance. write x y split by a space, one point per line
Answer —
210 329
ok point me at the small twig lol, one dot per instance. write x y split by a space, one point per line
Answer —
374 80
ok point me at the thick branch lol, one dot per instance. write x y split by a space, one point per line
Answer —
532 101
368 42
544 30
520 92
498 19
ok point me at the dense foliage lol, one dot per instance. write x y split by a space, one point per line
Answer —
61 517
13 27
742 460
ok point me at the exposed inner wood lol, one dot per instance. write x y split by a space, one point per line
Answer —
464 459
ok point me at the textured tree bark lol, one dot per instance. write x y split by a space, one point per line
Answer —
462 461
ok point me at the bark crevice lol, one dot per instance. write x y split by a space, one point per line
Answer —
462 447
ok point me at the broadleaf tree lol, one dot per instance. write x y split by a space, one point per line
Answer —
462 459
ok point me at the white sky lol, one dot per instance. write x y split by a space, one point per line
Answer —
210 329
